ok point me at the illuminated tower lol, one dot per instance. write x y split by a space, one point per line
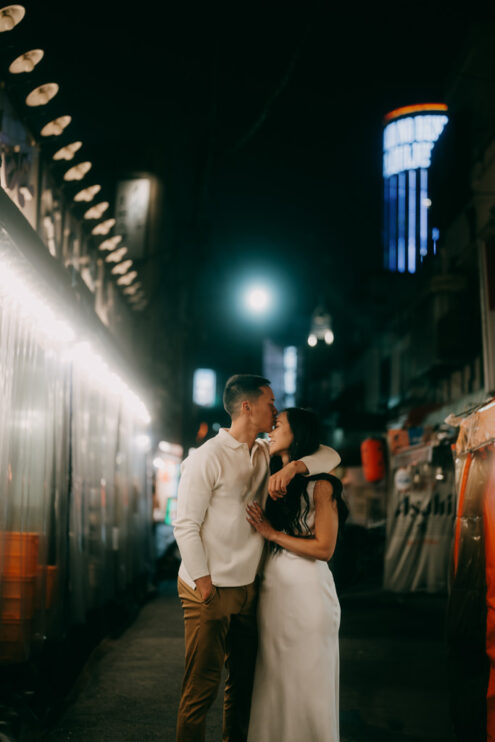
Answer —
409 136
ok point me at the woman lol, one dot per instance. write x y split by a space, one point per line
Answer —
296 685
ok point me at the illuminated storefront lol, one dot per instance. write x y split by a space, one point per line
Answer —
75 435
409 136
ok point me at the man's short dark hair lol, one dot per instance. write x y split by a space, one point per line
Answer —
240 387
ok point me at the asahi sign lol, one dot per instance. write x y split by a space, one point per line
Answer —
419 528
422 507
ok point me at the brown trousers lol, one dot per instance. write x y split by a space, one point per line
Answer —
220 630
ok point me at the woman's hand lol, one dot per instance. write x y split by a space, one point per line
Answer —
277 484
256 517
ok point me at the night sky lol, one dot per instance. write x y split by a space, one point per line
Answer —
285 99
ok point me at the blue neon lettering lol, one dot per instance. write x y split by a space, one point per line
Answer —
408 142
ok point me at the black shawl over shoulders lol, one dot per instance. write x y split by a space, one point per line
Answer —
287 514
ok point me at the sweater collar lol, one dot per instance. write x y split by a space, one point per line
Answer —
229 440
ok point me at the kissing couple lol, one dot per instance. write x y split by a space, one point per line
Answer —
254 582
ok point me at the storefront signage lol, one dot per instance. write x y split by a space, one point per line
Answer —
408 142
132 213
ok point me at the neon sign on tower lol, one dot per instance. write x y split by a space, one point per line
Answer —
409 136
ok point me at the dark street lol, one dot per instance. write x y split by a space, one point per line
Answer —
393 675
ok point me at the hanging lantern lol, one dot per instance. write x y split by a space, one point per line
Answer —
373 459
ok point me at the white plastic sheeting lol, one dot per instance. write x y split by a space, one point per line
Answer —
75 502
420 517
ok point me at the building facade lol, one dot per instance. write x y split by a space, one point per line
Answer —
409 135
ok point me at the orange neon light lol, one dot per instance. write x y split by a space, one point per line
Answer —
420 107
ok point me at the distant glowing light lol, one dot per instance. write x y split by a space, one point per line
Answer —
111 243
409 138
143 442
96 211
10 16
132 290
33 307
78 171
67 153
50 326
321 327
56 127
401 223
116 256
94 367
411 239
408 142
204 387
423 215
171 449
258 299
127 279
418 108
42 95
26 62
435 236
290 358
290 370
87 194
392 225
103 227
121 268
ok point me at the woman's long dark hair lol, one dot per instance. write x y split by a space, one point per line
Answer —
288 513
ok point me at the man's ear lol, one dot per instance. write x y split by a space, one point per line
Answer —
245 406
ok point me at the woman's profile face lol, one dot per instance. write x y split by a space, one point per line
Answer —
282 436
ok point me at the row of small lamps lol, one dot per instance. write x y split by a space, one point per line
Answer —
11 16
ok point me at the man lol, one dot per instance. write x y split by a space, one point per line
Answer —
221 555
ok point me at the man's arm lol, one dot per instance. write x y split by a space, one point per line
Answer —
325 459
195 490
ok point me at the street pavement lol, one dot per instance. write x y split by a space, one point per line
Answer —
393 675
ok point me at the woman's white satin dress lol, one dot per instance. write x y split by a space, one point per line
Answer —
296 684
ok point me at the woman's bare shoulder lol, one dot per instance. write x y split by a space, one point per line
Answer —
323 489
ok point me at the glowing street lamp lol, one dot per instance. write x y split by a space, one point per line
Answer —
258 299
321 328
329 337
55 128
10 16
26 62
